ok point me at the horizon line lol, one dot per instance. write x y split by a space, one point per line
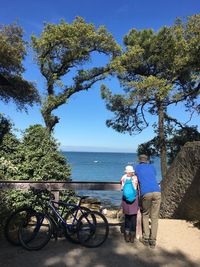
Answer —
96 149
83 151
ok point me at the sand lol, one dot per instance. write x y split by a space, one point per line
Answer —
178 246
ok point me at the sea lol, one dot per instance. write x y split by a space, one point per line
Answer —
103 167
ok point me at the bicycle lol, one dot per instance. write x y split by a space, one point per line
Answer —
12 224
13 221
90 229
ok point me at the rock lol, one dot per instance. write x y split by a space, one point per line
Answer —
181 187
91 203
110 214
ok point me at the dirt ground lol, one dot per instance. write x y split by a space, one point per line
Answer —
178 246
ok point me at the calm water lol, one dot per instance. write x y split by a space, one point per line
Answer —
106 167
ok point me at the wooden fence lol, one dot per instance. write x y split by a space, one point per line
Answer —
56 186
59 185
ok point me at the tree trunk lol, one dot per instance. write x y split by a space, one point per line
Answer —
162 141
52 103
50 120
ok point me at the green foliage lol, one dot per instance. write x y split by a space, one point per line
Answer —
64 48
5 126
179 138
12 53
12 49
150 148
156 70
148 76
175 141
36 157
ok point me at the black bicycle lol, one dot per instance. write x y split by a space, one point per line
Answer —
23 213
12 224
79 224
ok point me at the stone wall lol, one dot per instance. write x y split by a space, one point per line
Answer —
181 187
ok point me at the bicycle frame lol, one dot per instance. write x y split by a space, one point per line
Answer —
51 209
51 205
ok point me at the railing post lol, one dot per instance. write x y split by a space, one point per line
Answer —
56 195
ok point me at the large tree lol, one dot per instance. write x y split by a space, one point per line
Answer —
156 70
12 53
176 139
61 51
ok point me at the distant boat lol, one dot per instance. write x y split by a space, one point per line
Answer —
96 161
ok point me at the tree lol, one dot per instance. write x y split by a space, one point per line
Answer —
63 49
156 71
5 126
188 38
12 53
36 157
174 142
179 138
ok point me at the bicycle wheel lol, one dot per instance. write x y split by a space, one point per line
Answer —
92 233
12 224
71 219
35 232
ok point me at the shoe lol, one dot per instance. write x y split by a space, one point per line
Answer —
144 241
126 236
132 237
152 244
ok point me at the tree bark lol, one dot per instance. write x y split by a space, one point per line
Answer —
162 140
49 119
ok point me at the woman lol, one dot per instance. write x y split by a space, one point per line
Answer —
130 209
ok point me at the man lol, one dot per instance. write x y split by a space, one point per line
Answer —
150 200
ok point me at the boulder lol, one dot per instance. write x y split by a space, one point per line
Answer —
181 187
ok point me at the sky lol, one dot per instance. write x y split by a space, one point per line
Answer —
82 120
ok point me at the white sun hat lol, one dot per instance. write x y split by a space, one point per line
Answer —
129 168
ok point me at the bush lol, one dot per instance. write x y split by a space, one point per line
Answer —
36 157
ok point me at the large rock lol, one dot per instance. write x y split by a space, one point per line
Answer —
181 187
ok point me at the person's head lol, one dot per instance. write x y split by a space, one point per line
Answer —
143 158
129 170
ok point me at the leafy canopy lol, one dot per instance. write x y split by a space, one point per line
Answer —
62 51
157 69
176 139
12 53
36 157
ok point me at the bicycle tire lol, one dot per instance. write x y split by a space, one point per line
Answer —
36 232
12 225
71 229
92 233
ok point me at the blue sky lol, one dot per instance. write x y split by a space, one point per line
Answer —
82 119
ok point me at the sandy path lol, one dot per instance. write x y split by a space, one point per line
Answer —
178 246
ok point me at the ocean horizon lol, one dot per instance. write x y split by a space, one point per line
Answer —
96 149
103 167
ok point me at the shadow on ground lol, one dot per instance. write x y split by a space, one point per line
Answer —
113 253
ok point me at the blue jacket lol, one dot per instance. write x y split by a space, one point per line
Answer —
146 174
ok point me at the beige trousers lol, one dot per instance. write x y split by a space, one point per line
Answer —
150 210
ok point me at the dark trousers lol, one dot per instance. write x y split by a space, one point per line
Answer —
130 222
